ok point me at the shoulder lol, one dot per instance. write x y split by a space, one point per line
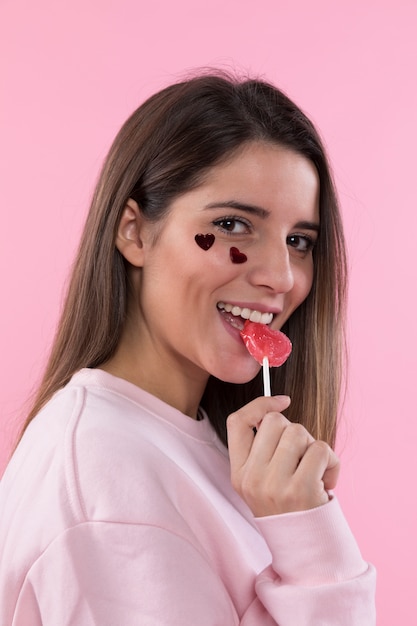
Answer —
104 450
128 455
97 457
88 440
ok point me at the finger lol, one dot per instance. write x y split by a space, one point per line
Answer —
331 475
241 423
320 463
268 437
293 445
252 413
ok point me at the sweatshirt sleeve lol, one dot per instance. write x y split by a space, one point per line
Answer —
108 574
317 575
111 573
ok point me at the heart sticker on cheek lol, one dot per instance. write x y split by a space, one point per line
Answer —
237 256
205 241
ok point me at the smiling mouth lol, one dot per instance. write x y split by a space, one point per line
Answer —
236 316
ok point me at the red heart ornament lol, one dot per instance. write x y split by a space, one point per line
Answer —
237 256
204 241
260 341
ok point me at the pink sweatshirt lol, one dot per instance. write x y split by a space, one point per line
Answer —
117 510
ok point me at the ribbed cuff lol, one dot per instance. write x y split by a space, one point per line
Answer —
312 547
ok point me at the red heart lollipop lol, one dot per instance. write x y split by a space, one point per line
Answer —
261 342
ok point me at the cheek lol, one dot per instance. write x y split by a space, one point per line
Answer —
191 266
303 283
219 260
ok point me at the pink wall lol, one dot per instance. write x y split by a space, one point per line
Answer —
71 71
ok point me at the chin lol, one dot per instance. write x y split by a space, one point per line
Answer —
238 377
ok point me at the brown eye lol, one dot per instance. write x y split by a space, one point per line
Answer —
227 224
232 225
302 243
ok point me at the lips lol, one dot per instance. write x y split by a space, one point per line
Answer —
236 315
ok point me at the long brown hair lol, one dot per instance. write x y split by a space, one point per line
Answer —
162 151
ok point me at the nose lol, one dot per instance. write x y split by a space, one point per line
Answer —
272 269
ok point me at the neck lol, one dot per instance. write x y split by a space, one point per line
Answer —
179 385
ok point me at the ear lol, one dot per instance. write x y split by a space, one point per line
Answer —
128 239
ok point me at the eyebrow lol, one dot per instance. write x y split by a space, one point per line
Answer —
247 208
308 226
259 211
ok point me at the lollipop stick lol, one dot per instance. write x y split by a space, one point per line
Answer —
266 376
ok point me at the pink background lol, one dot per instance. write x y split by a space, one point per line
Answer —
71 71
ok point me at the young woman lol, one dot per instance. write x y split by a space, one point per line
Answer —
126 501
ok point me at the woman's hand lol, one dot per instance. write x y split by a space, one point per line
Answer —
281 469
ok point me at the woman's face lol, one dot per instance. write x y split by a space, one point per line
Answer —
264 201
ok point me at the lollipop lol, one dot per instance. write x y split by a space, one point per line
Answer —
271 348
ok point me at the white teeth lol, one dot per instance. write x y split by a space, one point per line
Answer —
247 314
255 316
